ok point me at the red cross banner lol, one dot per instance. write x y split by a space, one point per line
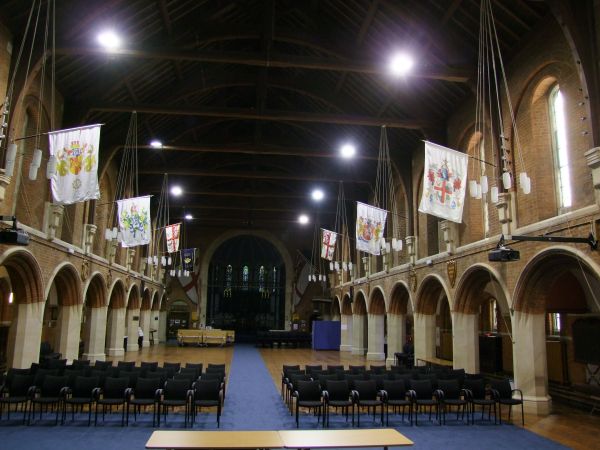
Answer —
172 235
444 182
328 244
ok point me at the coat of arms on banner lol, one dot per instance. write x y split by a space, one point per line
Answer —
328 244
75 155
172 235
444 182
134 221
370 226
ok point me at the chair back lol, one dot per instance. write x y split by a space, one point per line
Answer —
396 389
334 368
357 369
198 366
161 376
172 366
450 388
41 374
503 387
367 389
192 371
377 369
115 387
146 387
338 390
352 378
311 368
126 365
72 375
379 379
84 386
309 391
102 365
20 384
52 385
176 389
149 366
211 367
59 364
324 378
131 376
207 390
12 373
422 388
477 387
432 378
80 363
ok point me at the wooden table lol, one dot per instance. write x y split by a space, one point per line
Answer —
432 361
378 437
214 439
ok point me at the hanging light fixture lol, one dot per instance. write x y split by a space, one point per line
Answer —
11 155
494 194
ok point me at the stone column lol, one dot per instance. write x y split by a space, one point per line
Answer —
111 250
130 258
25 335
115 329
424 336
145 319
376 337
505 212
396 329
359 335
54 219
529 361
465 341
450 231
593 162
95 334
132 329
411 248
69 326
162 326
366 265
346 333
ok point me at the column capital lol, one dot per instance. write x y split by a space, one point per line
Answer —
4 182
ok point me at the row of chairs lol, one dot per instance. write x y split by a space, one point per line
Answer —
47 388
414 392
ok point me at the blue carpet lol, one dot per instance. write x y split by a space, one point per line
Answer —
253 403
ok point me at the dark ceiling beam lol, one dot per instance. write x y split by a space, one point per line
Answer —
247 175
457 74
271 115
251 149
257 209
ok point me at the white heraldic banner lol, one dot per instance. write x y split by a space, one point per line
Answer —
75 155
370 226
444 182
134 221
172 234
328 244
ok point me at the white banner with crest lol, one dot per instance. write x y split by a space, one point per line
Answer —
134 221
370 226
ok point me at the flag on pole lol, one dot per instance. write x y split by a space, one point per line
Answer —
187 257
444 182
370 225
134 221
75 155
172 235
191 264
328 244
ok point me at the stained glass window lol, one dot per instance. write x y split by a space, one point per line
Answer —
245 277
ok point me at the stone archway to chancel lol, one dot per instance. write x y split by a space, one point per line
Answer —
376 325
432 321
93 318
22 275
543 320
399 320
146 316
62 312
346 324
115 322
359 324
482 322
335 310
132 318
281 249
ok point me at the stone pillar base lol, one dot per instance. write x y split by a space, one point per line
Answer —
94 356
359 351
389 362
132 347
146 343
375 356
345 348
115 351
542 406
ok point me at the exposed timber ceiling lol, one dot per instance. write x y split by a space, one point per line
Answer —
252 98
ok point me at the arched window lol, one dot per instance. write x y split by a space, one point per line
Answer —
261 279
245 277
558 126
228 276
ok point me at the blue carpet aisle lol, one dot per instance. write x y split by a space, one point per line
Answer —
253 403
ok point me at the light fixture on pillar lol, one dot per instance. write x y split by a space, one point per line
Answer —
11 155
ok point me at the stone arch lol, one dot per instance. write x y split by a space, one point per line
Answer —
94 291
400 321
536 280
346 323
146 302
430 291
359 305
346 305
359 324
377 301
133 297
400 299
335 311
475 281
25 275
116 299
273 240
155 301
67 281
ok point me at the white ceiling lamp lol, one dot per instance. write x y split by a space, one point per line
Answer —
317 195
109 40
401 64
347 151
176 191
156 144
188 217
303 219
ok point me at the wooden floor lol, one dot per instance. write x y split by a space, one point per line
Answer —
570 427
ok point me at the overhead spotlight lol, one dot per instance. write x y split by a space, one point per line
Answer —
347 151
176 191
188 217
303 219
401 64
156 144
109 40
317 195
